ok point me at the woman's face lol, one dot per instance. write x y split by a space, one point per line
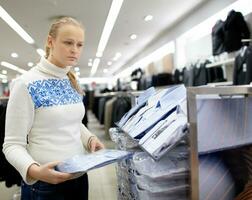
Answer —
66 48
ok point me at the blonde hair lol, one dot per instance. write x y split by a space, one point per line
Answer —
53 33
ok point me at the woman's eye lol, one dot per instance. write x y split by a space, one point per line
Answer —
68 42
80 45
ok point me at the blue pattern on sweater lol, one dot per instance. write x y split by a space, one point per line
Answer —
51 92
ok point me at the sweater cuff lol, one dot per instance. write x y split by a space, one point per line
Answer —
24 173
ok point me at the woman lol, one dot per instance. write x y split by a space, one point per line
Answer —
43 119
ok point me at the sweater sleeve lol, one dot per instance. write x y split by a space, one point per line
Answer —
85 136
19 120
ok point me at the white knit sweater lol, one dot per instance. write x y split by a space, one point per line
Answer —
43 119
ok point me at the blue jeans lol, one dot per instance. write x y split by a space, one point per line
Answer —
76 189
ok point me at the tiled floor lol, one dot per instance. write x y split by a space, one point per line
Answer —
102 181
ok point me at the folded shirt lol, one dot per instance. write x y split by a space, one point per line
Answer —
166 168
85 162
140 102
165 139
166 103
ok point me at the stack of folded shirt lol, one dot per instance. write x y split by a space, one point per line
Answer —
124 169
163 179
157 125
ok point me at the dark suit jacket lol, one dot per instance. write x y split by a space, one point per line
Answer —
218 38
235 29
243 68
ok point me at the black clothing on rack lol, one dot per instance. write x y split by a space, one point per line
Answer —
235 29
178 77
243 67
7 172
162 79
200 75
218 38
215 74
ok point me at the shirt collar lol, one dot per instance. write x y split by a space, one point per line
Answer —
47 67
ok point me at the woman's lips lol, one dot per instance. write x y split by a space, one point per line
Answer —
72 58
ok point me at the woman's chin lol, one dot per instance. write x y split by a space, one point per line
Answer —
71 63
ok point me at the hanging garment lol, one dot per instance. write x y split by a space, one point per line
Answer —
243 67
235 29
7 172
120 106
141 101
218 38
215 74
108 115
188 76
200 75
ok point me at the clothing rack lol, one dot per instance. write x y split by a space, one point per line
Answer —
246 40
220 84
133 93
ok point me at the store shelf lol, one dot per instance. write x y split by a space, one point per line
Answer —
228 62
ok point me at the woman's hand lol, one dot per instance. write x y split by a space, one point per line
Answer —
47 173
95 144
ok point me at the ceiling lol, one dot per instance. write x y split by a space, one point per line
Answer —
35 17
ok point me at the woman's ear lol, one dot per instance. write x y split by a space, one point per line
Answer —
49 41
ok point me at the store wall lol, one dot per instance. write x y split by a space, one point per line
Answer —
198 49
205 10
249 22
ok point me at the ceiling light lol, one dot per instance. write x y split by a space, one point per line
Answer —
148 18
133 36
90 64
13 67
14 55
3 76
109 63
30 64
4 71
105 71
99 54
15 26
41 52
95 66
117 56
90 60
109 24
76 69
4 81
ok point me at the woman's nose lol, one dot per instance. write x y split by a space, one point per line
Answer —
74 49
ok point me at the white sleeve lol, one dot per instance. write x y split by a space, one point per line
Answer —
19 120
85 135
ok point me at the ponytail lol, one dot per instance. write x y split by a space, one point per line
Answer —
74 82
